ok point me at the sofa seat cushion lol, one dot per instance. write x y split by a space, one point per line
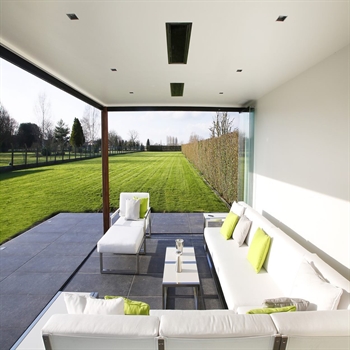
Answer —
240 284
122 221
215 326
121 240
102 326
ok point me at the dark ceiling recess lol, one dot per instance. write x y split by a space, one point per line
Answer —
177 89
178 40
281 18
72 16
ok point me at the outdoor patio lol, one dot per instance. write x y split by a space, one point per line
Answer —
60 254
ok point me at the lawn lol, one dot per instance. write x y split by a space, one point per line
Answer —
33 195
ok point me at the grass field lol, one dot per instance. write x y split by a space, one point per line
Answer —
32 195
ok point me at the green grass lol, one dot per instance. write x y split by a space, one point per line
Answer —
30 196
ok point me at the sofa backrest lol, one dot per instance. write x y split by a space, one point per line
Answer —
83 331
217 331
257 221
130 195
314 329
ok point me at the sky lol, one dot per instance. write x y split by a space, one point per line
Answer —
19 93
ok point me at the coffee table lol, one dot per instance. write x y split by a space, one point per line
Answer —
188 277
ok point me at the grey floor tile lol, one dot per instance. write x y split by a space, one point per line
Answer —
43 263
24 283
21 310
146 285
28 249
68 248
9 336
103 284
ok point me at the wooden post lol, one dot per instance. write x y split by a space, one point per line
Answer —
105 169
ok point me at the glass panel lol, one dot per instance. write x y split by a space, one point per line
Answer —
246 156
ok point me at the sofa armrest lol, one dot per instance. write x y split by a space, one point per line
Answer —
113 215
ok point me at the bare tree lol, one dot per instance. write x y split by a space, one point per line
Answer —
194 138
171 141
222 124
133 136
43 111
90 124
113 138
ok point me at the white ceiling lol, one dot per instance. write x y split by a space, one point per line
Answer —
130 36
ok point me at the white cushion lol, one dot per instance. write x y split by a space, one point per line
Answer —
241 230
237 209
75 303
104 307
132 209
215 326
312 286
130 195
84 304
102 326
121 240
313 323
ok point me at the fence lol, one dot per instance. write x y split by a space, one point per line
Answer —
16 159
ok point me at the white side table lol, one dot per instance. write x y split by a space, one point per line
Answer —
211 217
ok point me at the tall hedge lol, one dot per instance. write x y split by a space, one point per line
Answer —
217 160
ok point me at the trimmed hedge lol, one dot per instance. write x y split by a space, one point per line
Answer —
217 160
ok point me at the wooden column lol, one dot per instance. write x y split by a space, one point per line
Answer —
105 169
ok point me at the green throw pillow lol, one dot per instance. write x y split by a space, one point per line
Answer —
258 249
229 225
132 307
143 206
270 310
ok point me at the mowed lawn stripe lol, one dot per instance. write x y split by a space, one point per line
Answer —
30 196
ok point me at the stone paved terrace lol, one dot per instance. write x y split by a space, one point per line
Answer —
60 254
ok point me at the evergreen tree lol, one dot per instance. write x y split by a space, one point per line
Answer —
77 138
147 145
61 133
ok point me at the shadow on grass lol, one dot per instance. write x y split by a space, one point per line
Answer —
14 174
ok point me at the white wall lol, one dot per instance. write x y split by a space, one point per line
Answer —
301 170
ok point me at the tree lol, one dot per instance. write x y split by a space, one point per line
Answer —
171 141
113 139
222 124
148 144
43 111
194 138
134 136
28 134
90 124
8 128
77 138
61 133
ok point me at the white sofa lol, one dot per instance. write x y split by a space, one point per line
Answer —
281 274
198 329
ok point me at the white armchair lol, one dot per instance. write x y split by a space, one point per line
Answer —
145 221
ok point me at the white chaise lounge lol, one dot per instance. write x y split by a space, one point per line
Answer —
144 221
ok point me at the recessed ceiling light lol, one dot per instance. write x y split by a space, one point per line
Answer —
113 69
239 70
72 16
281 18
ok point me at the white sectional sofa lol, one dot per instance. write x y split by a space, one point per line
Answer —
198 329
286 272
